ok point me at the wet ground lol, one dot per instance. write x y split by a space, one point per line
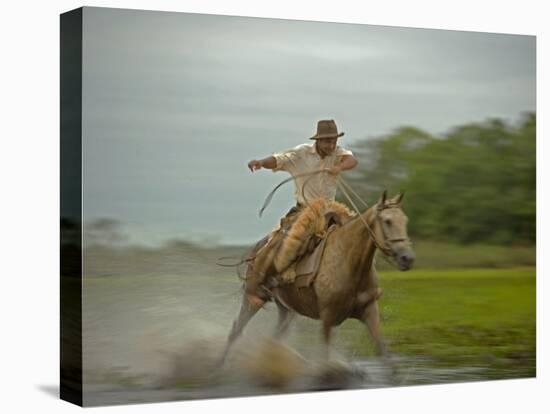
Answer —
154 338
361 374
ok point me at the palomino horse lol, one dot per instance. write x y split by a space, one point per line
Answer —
346 285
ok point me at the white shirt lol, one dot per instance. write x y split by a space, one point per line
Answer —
304 159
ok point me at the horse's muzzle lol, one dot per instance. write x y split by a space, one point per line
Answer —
404 259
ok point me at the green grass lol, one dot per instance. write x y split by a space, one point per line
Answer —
467 317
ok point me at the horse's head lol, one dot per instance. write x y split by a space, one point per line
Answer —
391 229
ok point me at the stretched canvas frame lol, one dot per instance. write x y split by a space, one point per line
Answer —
82 271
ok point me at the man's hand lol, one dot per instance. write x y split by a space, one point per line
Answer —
333 170
255 165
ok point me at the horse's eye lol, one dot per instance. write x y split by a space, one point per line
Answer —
388 222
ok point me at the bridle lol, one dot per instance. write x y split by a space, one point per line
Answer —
384 247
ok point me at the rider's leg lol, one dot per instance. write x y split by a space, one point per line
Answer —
264 254
255 274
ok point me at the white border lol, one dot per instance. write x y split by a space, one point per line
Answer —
30 207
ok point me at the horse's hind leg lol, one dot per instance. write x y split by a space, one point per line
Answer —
285 318
246 313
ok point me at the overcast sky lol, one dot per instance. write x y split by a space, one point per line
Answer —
174 105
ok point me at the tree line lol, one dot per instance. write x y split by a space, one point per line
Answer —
476 183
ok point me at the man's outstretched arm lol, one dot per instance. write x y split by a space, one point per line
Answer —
269 163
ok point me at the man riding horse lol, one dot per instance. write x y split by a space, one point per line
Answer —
322 155
341 283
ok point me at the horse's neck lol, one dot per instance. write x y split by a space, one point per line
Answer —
359 244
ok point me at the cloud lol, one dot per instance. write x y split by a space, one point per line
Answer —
174 103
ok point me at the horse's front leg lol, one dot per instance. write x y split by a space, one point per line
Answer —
369 311
371 318
286 316
246 313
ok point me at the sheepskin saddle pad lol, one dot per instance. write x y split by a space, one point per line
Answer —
302 244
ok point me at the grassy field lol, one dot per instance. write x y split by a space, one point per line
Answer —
467 317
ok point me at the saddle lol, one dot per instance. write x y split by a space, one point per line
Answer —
296 247
303 271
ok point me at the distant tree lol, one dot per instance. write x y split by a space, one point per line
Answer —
476 183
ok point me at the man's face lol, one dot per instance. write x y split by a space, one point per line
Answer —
326 146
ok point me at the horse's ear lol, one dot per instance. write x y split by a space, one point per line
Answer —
383 198
400 198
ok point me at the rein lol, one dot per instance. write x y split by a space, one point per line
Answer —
342 184
264 206
379 208
291 178
344 188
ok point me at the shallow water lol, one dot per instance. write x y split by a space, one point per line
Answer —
156 338
359 374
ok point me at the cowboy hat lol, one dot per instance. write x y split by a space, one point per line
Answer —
327 129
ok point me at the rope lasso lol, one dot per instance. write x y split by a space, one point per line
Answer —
292 178
350 188
344 191
341 185
264 206
344 188
235 265
249 259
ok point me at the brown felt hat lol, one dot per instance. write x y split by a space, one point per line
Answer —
327 129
